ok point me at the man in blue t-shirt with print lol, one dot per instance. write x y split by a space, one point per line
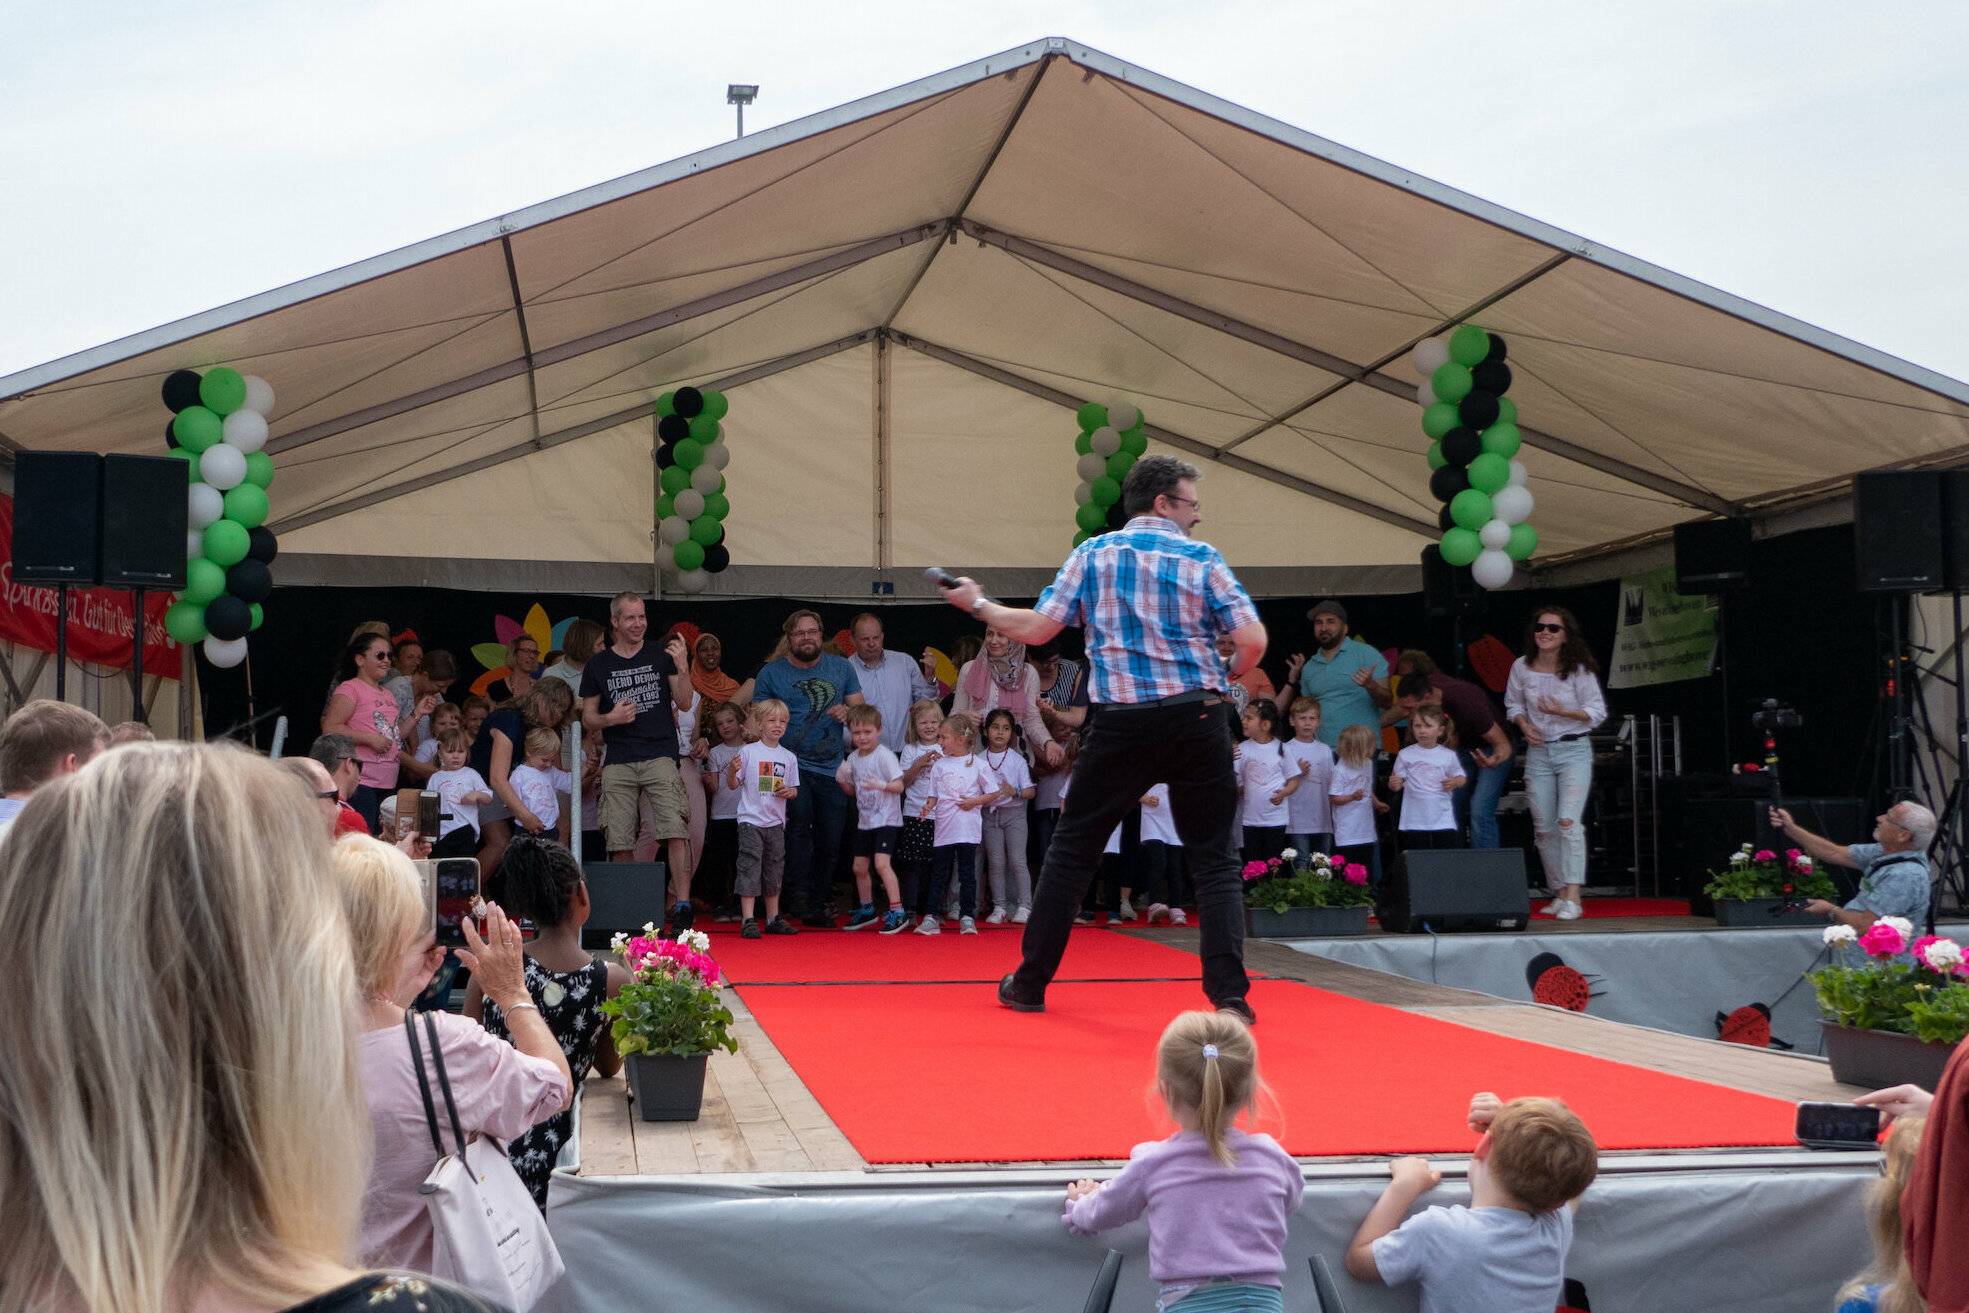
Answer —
1346 677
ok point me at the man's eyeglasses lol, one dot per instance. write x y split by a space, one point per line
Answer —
1190 502
1549 629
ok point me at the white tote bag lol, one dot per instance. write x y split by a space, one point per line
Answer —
490 1236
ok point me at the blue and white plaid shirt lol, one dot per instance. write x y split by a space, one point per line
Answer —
1153 602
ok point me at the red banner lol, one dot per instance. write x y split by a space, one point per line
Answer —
99 619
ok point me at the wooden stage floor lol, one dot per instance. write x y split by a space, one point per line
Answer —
759 1118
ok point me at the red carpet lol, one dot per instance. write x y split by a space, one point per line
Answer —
820 956
1593 908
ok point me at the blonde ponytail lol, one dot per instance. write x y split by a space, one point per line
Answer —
1207 1063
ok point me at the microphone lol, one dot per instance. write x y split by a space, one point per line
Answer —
945 580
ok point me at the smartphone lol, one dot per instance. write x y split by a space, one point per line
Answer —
1838 1126
451 892
419 808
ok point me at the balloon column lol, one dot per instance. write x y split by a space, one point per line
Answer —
218 427
691 506
1476 475
1111 439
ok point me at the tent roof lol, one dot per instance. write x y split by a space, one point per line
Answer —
903 295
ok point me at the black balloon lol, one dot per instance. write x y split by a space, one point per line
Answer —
261 545
1478 410
1496 349
227 618
249 581
1461 446
716 558
1116 517
170 435
1446 482
181 390
666 455
1444 520
674 428
1492 376
688 402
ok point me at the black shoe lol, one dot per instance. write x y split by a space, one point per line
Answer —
818 920
1013 1001
778 926
750 930
681 917
1238 1008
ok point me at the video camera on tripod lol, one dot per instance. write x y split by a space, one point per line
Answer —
1772 715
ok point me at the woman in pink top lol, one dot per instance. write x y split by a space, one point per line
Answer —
999 676
501 1089
367 713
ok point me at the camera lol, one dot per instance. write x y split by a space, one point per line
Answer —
1772 715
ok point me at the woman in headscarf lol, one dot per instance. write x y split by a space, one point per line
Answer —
707 674
1000 676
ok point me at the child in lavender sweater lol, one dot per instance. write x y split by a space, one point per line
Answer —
1217 1198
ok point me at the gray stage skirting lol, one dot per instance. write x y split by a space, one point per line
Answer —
1677 980
1771 1233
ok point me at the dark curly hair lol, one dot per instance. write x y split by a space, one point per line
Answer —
1573 653
540 878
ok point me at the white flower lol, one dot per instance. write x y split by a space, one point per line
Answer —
1288 853
1804 863
695 940
649 928
1739 858
1744 849
619 944
1944 955
1320 859
1902 924
1840 934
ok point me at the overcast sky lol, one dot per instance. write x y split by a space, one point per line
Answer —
157 159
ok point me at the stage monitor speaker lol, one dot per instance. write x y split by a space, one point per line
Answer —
624 896
143 523
1897 531
1955 529
58 516
1445 889
1447 590
1712 556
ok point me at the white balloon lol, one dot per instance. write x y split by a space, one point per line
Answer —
1492 569
223 467
1430 355
225 652
245 431
1495 534
1519 474
1123 415
1425 393
1105 441
1083 494
689 504
1512 505
259 396
673 529
205 505
706 480
1092 467
195 542
717 456
692 581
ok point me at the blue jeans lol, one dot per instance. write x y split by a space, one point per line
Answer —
1476 801
815 818
1558 777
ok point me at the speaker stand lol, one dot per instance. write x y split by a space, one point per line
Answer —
61 642
137 712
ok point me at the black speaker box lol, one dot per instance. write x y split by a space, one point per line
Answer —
1447 590
144 522
624 896
1445 889
1897 531
1955 529
58 517
1712 556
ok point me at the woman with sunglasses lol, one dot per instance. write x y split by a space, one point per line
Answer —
367 713
1554 697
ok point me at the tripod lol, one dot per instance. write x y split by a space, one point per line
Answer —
1951 842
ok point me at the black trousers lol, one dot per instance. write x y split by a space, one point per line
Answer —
1122 752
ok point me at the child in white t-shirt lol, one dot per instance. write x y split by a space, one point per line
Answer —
1264 782
460 791
916 845
872 776
540 782
1161 858
1427 775
765 776
960 787
1006 871
720 865
444 717
1309 811
1351 792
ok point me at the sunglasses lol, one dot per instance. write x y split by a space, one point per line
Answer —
327 795
1549 629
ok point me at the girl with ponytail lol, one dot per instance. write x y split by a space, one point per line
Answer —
1217 1198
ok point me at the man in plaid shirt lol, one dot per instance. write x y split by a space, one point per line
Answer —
1153 602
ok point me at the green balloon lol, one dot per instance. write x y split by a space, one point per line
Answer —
690 453
259 614
1134 442
259 469
674 479
666 404
716 404
1461 545
197 428
1471 509
246 505
190 458
705 530
1119 464
1106 492
185 621
1503 439
1090 517
704 429
1091 416
1081 536
666 506
687 554
222 390
226 543
1436 458
1489 472
716 507
1468 345
1083 443
1451 381
1440 419
1524 541
1507 412
203 582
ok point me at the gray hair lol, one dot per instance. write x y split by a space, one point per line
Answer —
615 603
1152 477
1917 821
331 750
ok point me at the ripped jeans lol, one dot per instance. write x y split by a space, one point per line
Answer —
1557 779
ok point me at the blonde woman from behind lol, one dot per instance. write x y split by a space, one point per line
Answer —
180 1121
1888 1285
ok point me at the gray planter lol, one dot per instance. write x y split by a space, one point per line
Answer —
667 1088
1877 1059
1305 922
1761 912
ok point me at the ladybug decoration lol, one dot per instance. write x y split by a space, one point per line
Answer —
1555 984
1749 1025
1574 1300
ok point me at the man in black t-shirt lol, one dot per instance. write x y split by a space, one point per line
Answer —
629 694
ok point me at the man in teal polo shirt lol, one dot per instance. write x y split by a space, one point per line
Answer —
1346 677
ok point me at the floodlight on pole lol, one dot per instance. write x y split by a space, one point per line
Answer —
741 94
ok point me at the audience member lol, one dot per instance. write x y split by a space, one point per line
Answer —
582 640
1478 738
1266 780
407 652
1553 697
522 670
719 867
369 717
1309 811
45 739
461 792
435 673
1427 775
337 755
1062 687
916 845
1935 1205
872 776
959 787
1159 885
890 681
322 788
707 676
1895 875
420 765
1251 685
1887 1285
1346 676
499 747
130 731
1007 874
767 777
1351 795
999 676
692 751
540 783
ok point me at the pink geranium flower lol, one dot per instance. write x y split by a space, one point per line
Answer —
1256 870
1356 873
1763 855
1883 940
1793 854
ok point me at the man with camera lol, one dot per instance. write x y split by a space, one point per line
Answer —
1894 874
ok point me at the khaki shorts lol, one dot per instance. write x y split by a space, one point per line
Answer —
623 787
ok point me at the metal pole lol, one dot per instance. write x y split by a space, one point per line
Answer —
574 792
741 118
1634 791
61 642
1959 818
137 712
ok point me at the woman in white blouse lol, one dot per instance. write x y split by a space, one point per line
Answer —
1554 697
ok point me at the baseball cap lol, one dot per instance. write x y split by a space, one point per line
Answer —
1328 607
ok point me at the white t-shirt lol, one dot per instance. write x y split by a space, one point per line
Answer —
1426 804
1260 774
918 793
724 798
762 770
539 790
1158 823
1009 769
953 778
451 786
1050 790
427 751
1479 1260
1309 810
687 727
1353 822
879 808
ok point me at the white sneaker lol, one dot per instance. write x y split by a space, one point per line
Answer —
1552 908
929 925
1568 911
1023 915
1157 911
997 917
967 926
1176 917
1127 910
952 912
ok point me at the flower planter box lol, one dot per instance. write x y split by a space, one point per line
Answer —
667 1088
1756 912
1305 922
1877 1059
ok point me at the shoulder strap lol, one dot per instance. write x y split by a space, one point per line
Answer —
444 1081
423 1085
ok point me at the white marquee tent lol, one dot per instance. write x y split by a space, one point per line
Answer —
906 296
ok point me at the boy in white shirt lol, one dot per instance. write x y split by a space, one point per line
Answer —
1309 811
959 786
1427 775
765 776
872 776
460 791
1506 1252
719 868
541 781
